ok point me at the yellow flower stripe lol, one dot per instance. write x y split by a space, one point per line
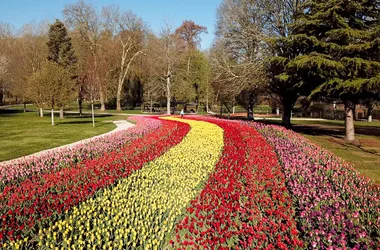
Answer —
141 210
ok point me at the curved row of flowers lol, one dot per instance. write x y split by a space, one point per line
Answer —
56 159
337 207
245 203
221 186
141 209
32 204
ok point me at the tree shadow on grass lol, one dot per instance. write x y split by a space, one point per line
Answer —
336 131
62 122
84 116
5 112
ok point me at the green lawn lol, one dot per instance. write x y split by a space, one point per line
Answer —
25 133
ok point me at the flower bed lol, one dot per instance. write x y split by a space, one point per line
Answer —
225 184
245 203
141 209
56 159
30 205
337 207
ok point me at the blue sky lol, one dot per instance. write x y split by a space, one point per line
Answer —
154 12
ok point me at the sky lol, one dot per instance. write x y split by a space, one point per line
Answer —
153 12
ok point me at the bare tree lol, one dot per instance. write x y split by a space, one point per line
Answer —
4 62
3 65
167 53
87 21
6 41
27 51
238 53
130 31
244 32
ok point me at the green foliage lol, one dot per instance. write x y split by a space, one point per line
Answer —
192 87
59 45
51 86
333 52
345 55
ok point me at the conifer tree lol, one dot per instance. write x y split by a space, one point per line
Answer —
59 45
61 52
335 46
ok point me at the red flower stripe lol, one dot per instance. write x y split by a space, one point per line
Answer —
245 203
30 205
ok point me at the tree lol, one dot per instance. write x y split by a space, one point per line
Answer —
238 50
191 83
194 87
166 55
27 54
130 31
190 32
87 21
60 51
6 38
279 16
245 33
4 62
337 44
50 85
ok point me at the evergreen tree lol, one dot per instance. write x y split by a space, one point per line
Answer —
334 45
60 48
61 52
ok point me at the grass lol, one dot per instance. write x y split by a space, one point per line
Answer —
26 133
363 154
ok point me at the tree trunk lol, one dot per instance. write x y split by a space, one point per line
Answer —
151 105
80 101
41 112
101 90
221 108
188 66
61 115
369 111
52 117
24 106
207 103
349 121
92 114
168 97
2 92
118 96
102 103
207 97
287 114
123 73
250 107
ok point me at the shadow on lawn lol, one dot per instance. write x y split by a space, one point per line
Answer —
335 130
4 111
68 115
